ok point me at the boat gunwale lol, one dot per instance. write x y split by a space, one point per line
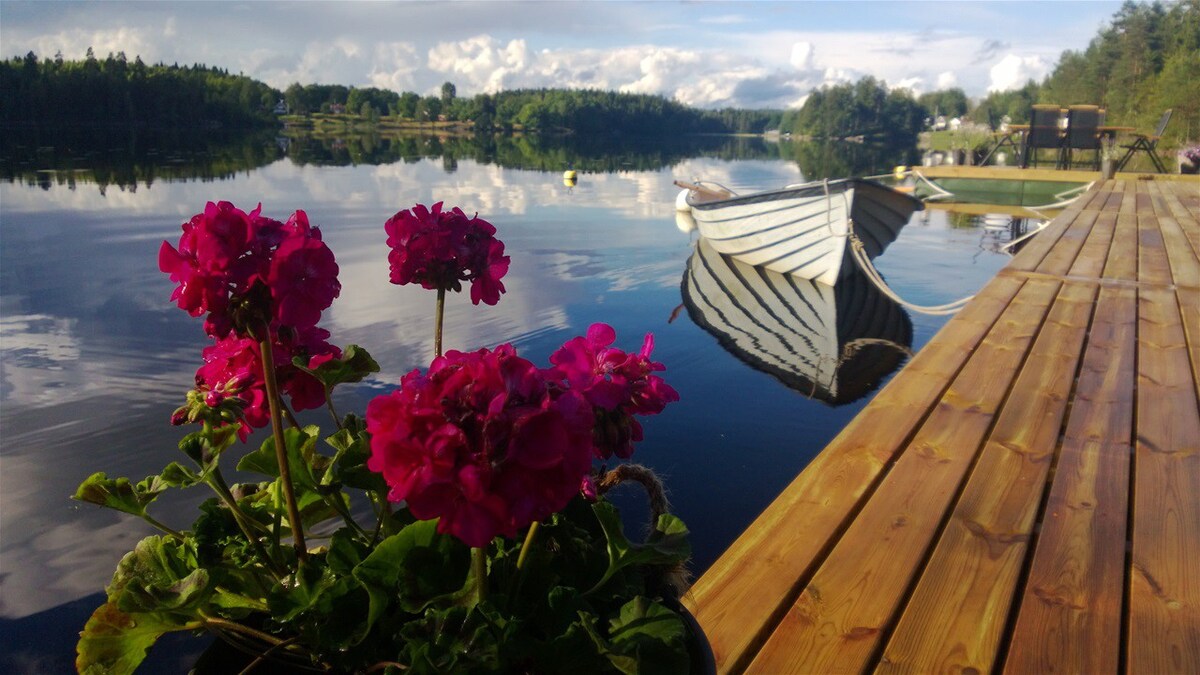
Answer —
839 185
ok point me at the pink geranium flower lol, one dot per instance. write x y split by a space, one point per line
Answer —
617 384
233 367
230 262
442 249
482 443
302 275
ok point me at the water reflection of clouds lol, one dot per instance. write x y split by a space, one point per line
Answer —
486 188
36 358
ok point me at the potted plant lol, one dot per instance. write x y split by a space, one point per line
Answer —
1189 159
488 544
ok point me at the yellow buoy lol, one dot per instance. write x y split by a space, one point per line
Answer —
569 181
899 172
569 174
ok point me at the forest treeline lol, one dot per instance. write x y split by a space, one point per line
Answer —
576 110
117 92
866 109
1146 61
113 91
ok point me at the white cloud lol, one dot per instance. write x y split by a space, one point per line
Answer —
725 19
1014 71
947 80
395 66
802 56
74 43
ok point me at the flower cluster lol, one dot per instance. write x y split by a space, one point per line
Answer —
442 249
245 271
617 384
490 443
481 441
239 268
233 367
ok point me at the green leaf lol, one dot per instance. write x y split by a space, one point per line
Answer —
114 642
417 568
349 465
356 363
159 575
219 540
289 602
345 552
178 475
120 493
622 662
300 451
458 640
667 544
206 445
653 635
647 637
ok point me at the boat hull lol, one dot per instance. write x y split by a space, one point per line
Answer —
831 343
804 230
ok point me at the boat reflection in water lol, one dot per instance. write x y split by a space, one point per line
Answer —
832 343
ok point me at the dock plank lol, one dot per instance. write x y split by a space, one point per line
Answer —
1035 251
956 617
836 624
1069 617
1164 596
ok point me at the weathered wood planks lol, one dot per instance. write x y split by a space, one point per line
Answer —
1024 495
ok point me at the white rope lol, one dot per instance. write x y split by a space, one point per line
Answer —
859 253
702 183
1076 189
1027 235
940 192
829 209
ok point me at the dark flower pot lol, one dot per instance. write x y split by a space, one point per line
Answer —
700 651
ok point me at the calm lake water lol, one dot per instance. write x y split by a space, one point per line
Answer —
95 357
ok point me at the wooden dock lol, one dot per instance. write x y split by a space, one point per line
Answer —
1023 497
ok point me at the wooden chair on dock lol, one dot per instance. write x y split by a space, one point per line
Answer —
1146 144
1043 133
1083 133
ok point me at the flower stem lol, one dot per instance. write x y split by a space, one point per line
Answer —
514 584
528 544
243 629
285 473
336 504
437 323
217 483
479 567
337 420
287 412
165 528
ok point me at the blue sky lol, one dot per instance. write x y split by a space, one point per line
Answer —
707 54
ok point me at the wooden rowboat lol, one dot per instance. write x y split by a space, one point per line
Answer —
800 230
831 343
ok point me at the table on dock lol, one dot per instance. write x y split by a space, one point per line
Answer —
1023 497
